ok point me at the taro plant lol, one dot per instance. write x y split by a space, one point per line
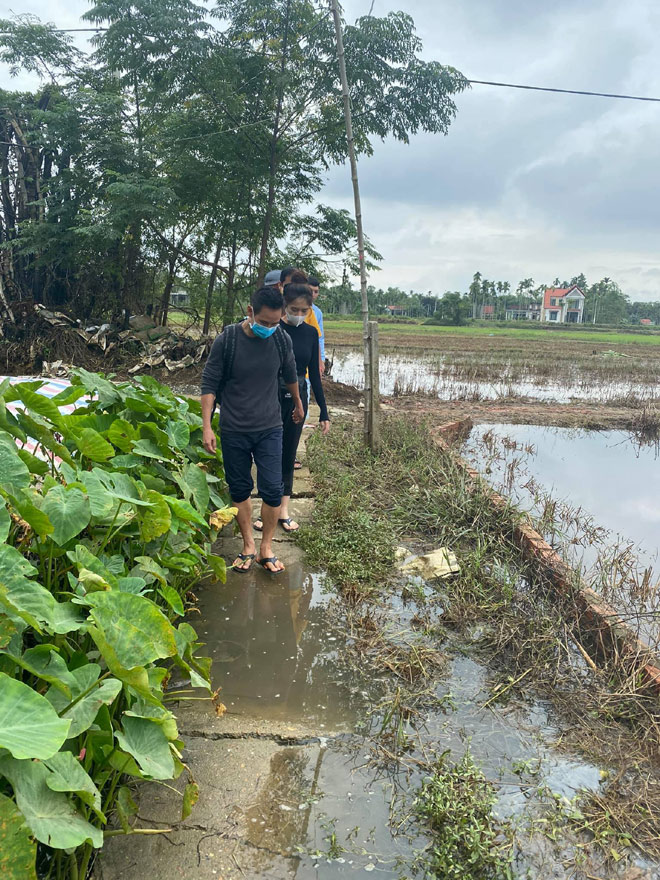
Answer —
107 519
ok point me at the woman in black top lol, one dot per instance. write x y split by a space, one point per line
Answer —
305 339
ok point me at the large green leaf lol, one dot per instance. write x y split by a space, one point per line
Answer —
195 477
69 512
106 391
122 434
68 774
150 431
34 465
17 849
173 599
155 520
82 714
125 488
102 502
145 740
5 521
20 595
135 677
135 627
92 445
45 663
9 422
83 558
178 434
14 472
35 517
69 395
66 617
185 511
44 435
148 449
51 816
29 726
38 403
8 630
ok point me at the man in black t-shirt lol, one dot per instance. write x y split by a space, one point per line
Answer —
242 375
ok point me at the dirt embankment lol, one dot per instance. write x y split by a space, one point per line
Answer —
597 416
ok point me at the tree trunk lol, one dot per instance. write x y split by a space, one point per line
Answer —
169 284
230 300
209 292
272 171
370 393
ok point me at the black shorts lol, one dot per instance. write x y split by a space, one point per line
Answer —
239 450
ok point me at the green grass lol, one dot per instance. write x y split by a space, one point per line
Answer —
467 842
583 334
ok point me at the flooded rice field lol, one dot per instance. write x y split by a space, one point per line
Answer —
595 496
609 475
445 378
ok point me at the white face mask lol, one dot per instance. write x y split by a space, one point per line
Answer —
295 320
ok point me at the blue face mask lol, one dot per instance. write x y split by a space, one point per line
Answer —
261 331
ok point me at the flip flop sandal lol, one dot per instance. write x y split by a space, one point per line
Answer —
286 524
258 528
264 562
297 465
243 557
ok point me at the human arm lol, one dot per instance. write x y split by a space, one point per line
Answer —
211 382
298 411
290 379
317 386
208 434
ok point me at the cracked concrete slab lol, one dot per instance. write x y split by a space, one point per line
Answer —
253 798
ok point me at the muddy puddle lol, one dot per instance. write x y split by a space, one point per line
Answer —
402 374
340 804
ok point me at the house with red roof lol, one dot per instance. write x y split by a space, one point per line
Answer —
563 305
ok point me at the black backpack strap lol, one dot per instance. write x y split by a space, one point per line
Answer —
280 342
228 355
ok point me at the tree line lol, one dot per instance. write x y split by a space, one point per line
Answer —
190 144
605 302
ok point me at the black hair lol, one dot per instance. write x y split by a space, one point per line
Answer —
284 274
297 291
313 281
266 297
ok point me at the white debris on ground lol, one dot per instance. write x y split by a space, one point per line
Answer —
438 564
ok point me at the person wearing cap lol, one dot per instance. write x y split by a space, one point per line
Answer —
272 279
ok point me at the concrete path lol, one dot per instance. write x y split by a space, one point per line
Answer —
247 762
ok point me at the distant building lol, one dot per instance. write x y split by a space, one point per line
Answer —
563 305
532 312
180 298
396 311
488 313
646 321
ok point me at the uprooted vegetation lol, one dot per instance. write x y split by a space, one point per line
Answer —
500 612
106 523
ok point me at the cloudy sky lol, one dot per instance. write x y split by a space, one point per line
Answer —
525 184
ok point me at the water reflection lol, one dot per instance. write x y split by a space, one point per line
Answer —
273 651
612 478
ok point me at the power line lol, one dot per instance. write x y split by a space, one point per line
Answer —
484 82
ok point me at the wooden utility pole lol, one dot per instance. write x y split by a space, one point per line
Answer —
371 405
